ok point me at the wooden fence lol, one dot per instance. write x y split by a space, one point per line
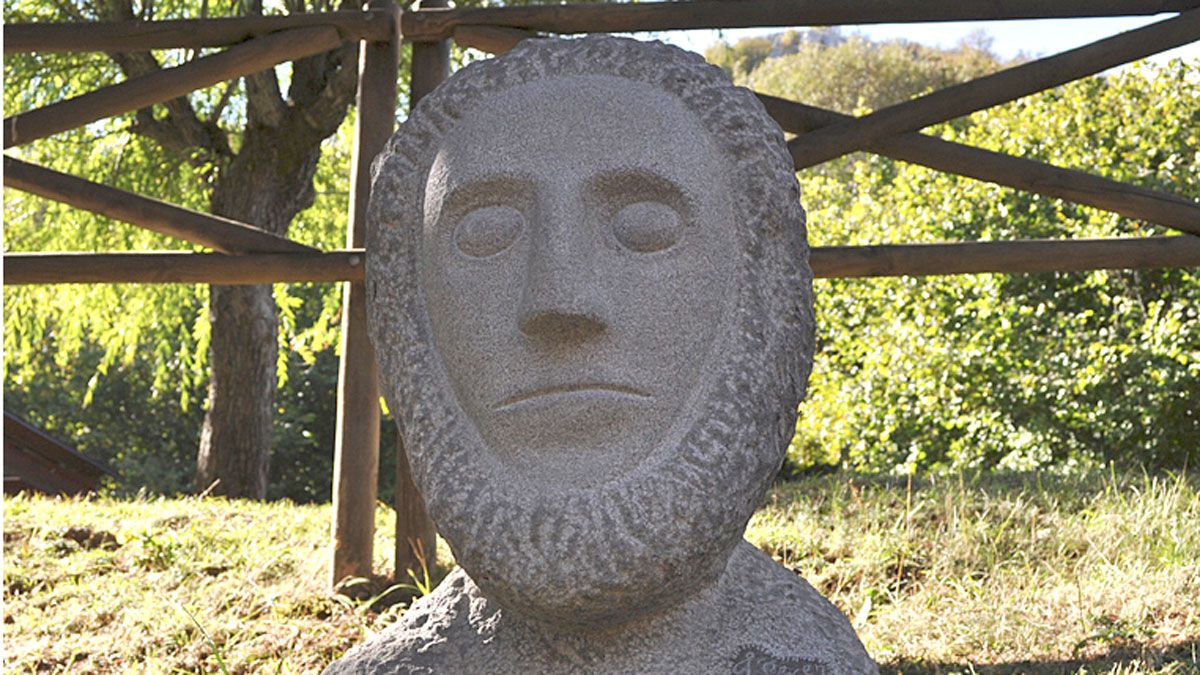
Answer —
248 255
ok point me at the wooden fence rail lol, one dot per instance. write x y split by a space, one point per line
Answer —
433 25
1008 257
164 85
215 232
134 36
174 267
884 260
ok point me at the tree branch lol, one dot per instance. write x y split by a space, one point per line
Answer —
265 106
264 101
318 107
182 128
323 86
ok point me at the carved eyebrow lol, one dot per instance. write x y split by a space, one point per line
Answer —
621 186
487 189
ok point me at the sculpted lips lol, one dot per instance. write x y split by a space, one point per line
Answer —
564 389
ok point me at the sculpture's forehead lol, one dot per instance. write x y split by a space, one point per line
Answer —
596 120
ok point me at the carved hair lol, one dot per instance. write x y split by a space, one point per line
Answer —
669 527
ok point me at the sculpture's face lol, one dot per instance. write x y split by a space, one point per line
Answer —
578 264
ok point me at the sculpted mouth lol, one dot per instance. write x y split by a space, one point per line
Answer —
561 389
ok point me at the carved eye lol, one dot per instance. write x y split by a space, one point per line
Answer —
487 231
646 227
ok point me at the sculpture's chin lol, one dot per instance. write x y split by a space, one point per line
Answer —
609 571
605 555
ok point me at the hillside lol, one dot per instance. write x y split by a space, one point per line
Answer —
1020 573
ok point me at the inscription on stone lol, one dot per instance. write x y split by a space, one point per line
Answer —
752 660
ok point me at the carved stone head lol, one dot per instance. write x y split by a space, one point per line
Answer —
590 297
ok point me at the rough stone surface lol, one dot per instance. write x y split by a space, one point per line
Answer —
590 297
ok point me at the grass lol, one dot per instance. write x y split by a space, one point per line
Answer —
1084 573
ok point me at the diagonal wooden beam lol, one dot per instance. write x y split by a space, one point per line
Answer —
164 85
1023 256
1007 85
136 36
220 234
1131 201
432 25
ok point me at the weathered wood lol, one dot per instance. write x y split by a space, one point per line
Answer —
1008 257
181 267
169 83
129 36
20 432
356 447
430 66
44 476
1046 255
416 540
430 24
1007 85
1024 174
430 60
491 39
220 234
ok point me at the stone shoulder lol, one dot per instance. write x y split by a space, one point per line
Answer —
427 637
789 626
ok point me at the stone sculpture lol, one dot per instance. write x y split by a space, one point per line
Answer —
590 297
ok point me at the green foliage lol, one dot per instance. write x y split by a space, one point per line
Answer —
121 370
134 427
848 74
1013 371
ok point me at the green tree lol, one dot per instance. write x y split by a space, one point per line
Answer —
849 74
112 368
247 150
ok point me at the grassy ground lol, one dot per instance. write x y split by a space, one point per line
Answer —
1020 574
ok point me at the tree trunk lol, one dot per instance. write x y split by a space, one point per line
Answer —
235 442
266 185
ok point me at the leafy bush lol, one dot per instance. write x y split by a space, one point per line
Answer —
1012 371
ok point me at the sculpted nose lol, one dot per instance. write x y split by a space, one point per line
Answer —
561 301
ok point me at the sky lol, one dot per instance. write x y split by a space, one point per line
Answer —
1034 38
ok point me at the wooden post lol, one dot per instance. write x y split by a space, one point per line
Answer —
164 85
356 449
416 540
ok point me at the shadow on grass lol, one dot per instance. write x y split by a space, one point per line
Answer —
1178 659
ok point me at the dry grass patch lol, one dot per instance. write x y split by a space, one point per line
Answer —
1083 573
1034 573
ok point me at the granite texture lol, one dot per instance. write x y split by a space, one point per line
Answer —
591 302
758 619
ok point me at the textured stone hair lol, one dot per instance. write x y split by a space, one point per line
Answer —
656 535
